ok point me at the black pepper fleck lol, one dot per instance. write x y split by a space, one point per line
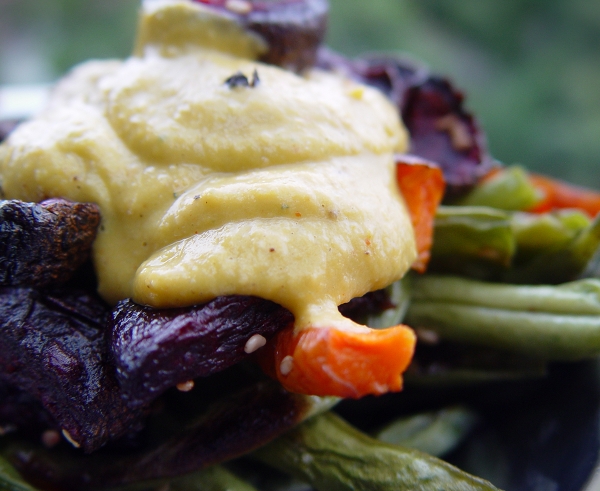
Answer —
238 79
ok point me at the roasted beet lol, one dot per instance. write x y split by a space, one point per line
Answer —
155 349
54 349
45 243
292 29
443 132
235 424
19 411
370 303
432 110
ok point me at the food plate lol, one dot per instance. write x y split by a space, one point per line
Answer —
533 435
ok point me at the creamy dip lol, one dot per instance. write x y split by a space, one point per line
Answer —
285 190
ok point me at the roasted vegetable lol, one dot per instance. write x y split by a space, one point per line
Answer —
332 456
156 349
45 243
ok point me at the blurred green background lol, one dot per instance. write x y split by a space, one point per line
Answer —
530 68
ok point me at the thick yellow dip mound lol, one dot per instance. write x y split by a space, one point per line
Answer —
285 190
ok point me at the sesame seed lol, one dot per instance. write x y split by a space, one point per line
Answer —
286 365
185 386
254 342
69 438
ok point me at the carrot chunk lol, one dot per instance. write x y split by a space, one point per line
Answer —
422 184
557 194
331 361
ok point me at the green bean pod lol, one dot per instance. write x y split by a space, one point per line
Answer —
331 455
215 478
435 432
560 264
536 233
476 241
509 190
552 323
10 480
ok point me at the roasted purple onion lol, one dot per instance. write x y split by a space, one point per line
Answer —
292 29
432 109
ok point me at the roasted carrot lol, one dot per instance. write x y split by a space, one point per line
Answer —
333 361
557 194
422 185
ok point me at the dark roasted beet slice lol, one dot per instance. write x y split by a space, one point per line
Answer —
54 348
230 427
443 132
432 110
45 243
293 29
155 349
19 411
370 303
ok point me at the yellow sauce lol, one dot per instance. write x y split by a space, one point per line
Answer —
285 190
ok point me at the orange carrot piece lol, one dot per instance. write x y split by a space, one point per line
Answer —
557 194
422 184
331 361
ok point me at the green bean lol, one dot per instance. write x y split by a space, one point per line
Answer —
491 244
215 478
468 239
333 456
580 297
560 264
536 233
435 433
551 322
548 336
448 365
10 480
509 190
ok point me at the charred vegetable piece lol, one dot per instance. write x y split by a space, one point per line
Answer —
155 349
20 411
432 109
292 29
234 425
53 348
42 244
372 303
333 456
